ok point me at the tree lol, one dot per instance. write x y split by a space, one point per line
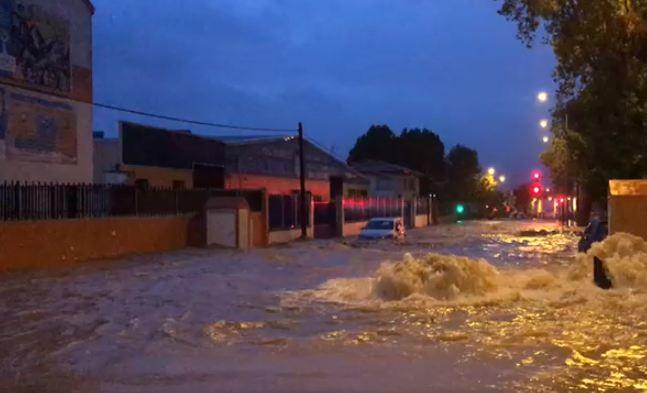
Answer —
601 51
463 172
422 150
376 144
418 149
562 158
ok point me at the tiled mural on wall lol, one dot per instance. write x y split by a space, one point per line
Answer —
40 130
37 130
35 46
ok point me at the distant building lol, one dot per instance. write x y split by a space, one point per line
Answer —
156 157
273 163
389 180
46 91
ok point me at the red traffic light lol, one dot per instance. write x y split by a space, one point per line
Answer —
536 175
536 190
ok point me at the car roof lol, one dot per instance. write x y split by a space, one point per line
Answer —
384 218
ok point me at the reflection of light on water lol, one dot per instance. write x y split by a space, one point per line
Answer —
557 331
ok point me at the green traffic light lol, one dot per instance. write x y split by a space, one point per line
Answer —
460 209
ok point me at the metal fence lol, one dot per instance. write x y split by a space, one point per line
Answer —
362 209
23 201
285 211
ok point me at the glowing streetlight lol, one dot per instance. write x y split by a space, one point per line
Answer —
542 96
543 123
502 179
545 139
491 171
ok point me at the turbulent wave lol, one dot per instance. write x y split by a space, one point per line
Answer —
625 258
438 276
459 279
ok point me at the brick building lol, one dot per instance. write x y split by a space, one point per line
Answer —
46 90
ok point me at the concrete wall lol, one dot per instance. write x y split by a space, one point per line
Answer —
37 244
106 158
258 236
353 228
158 177
421 220
276 185
286 236
17 161
628 214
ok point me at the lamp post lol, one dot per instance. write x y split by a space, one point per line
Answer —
542 96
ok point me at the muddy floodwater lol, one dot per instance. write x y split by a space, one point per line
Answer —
471 307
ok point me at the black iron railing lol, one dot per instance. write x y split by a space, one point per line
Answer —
38 201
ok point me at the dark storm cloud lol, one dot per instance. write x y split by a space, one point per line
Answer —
337 65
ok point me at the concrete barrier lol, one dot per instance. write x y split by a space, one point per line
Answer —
36 244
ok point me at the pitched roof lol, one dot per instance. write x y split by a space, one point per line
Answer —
383 168
251 139
243 140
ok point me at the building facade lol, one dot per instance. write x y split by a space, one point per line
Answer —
46 91
156 157
272 163
389 180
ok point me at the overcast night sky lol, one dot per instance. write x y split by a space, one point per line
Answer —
453 66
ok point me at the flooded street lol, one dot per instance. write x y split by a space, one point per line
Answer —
496 306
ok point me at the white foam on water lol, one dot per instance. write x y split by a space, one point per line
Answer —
451 279
625 258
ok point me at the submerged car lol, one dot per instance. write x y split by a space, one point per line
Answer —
596 231
383 228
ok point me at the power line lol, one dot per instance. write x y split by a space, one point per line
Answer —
326 149
189 121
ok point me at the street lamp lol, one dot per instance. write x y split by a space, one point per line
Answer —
543 123
502 179
542 96
491 171
545 139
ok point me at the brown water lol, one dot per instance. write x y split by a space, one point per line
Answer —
517 313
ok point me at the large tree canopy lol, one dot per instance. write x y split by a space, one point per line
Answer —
601 51
418 149
463 172
376 144
456 176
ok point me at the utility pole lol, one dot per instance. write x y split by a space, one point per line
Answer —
302 179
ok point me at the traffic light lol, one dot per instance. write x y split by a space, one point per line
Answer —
536 190
536 175
460 209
